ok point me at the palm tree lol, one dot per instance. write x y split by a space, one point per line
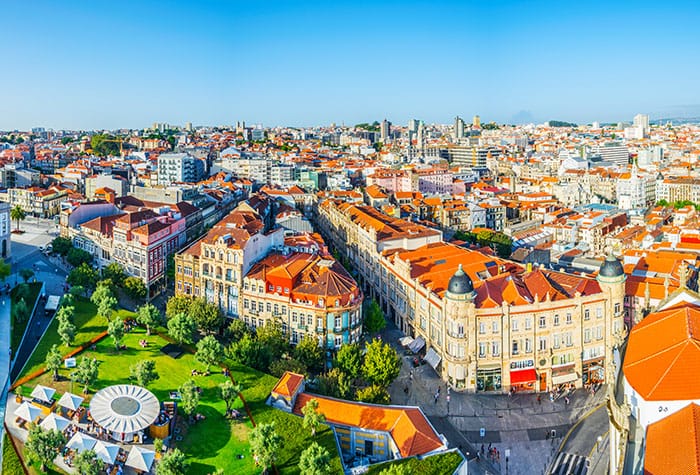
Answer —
17 214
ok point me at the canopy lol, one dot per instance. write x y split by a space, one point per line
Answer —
523 376
54 421
406 340
417 344
28 412
564 378
43 393
140 458
106 452
70 401
81 442
124 408
432 358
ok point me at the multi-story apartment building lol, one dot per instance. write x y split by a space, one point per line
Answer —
487 324
179 167
244 266
37 201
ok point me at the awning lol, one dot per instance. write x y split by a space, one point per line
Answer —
417 344
406 340
432 358
523 376
564 378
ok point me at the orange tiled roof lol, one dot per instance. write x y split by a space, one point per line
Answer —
408 426
288 383
663 355
673 444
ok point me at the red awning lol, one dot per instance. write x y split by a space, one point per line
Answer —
523 376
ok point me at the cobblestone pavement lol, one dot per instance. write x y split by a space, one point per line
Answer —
516 425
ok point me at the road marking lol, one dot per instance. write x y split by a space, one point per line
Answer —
585 416
596 443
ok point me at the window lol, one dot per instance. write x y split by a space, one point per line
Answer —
268 307
567 339
514 325
599 333
494 326
369 450
587 314
460 330
253 305
482 349
482 327
294 317
543 343
556 319
543 321
586 335
495 348
555 342
617 309
245 303
599 312
338 340
568 318
528 345
528 323
515 347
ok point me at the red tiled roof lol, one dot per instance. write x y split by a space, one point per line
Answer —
673 444
288 383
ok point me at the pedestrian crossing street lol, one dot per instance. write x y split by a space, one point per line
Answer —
569 464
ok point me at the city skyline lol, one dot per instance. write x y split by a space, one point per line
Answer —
94 67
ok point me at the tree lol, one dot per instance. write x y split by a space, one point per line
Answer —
144 372
107 306
663 203
113 271
312 418
20 311
374 318
374 394
209 351
335 383
17 214
265 442
382 364
61 245
26 274
174 463
249 351
236 329
84 276
315 460
86 372
181 328
349 359
229 393
77 291
102 291
176 305
66 330
207 316
65 313
87 463
43 445
135 288
115 329
5 270
105 145
149 316
272 337
278 367
54 361
77 257
310 353
189 397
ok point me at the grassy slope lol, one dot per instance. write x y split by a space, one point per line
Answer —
441 464
18 328
10 462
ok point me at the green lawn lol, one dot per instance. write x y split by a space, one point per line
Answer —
212 443
19 327
10 462
89 326
441 464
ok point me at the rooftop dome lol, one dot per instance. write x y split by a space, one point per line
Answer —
460 283
611 267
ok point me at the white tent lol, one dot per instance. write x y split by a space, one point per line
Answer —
140 458
81 442
28 412
106 452
70 401
43 393
54 421
124 410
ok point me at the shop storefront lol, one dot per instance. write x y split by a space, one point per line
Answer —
523 375
564 375
594 371
488 379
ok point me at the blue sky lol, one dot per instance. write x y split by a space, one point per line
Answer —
127 64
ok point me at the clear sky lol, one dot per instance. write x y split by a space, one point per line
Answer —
100 64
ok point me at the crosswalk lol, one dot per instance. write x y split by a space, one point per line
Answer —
569 464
